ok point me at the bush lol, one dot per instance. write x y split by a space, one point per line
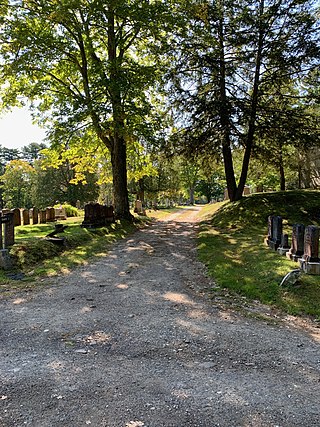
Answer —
70 210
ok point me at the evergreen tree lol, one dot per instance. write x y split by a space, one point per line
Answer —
233 58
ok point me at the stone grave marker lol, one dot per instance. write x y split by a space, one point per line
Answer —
275 223
43 216
50 214
60 213
8 234
297 242
310 261
284 246
16 217
96 215
6 224
25 217
35 215
138 207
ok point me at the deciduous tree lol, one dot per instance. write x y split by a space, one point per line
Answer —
85 66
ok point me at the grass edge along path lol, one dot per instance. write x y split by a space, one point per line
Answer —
231 245
36 258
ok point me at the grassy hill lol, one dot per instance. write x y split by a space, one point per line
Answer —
231 244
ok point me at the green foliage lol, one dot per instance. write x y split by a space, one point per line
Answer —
71 211
212 188
16 184
52 185
83 81
232 65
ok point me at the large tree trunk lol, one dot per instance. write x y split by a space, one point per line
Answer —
118 143
119 173
281 170
191 195
253 108
224 117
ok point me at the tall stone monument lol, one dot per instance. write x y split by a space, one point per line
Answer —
310 261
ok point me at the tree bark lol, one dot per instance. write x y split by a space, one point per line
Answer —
191 195
253 109
119 173
118 142
224 116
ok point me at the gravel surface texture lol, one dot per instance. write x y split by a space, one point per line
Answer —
133 340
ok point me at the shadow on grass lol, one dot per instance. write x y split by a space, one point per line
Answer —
240 261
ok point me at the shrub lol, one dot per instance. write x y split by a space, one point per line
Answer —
70 210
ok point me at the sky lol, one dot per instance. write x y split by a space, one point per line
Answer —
17 130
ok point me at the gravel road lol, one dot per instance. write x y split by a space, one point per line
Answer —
130 341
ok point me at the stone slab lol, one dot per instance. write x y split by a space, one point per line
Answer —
310 267
5 260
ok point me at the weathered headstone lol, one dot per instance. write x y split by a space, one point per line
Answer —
16 217
246 190
96 215
60 213
43 216
78 204
138 207
310 261
25 217
275 233
284 245
8 233
50 215
297 242
35 215
269 228
311 244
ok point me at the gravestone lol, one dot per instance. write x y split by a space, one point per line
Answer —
96 215
35 215
310 261
43 216
50 215
297 242
8 233
246 190
25 217
284 246
269 228
138 207
60 213
275 224
78 204
16 217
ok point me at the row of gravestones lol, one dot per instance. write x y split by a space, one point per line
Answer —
96 215
23 216
304 244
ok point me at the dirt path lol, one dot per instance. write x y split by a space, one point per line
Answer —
128 341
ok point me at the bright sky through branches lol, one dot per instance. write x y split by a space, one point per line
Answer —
17 130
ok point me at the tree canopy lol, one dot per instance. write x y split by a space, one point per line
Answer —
87 68
109 78
232 60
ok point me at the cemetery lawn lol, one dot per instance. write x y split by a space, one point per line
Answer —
231 245
36 257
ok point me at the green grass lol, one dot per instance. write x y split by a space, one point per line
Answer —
37 257
231 244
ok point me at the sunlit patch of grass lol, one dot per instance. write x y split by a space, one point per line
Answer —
238 259
162 213
36 256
